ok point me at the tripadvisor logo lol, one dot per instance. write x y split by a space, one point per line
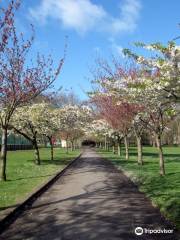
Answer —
140 231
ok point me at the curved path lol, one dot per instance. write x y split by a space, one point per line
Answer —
92 200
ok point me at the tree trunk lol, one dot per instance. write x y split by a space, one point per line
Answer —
52 147
72 145
108 146
139 149
67 147
52 151
119 148
113 149
161 157
153 142
105 142
126 147
75 145
3 154
36 152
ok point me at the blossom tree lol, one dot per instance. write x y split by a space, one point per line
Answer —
111 82
46 122
25 122
36 121
19 83
152 84
119 115
117 87
98 129
6 21
166 63
149 90
155 118
72 120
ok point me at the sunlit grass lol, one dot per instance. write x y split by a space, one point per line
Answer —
23 176
163 191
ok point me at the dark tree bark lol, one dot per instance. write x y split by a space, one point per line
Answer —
119 146
36 151
33 140
126 147
139 149
72 145
113 148
67 150
161 157
108 146
52 152
51 146
105 142
3 158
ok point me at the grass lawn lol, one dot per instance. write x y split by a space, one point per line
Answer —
23 176
163 191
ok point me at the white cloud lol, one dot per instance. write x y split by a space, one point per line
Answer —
129 15
83 15
80 15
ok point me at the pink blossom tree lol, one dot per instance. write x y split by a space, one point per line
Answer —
119 115
19 83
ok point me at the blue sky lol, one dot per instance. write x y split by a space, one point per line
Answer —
94 28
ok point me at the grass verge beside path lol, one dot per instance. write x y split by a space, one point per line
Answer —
23 176
163 191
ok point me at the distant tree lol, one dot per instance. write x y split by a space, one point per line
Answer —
72 120
98 129
119 115
63 98
46 121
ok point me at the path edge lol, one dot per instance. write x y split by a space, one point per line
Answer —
25 204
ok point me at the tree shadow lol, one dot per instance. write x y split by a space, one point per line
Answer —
169 157
53 162
39 176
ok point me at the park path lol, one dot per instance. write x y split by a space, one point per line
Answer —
92 200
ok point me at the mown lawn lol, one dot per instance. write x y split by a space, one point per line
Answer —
23 176
163 191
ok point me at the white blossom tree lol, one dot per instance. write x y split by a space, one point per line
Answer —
46 123
99 129
156 88
166 64
25 122
72 120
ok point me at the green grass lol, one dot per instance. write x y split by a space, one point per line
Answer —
163 191
23 176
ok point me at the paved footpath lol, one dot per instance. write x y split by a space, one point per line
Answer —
92 200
